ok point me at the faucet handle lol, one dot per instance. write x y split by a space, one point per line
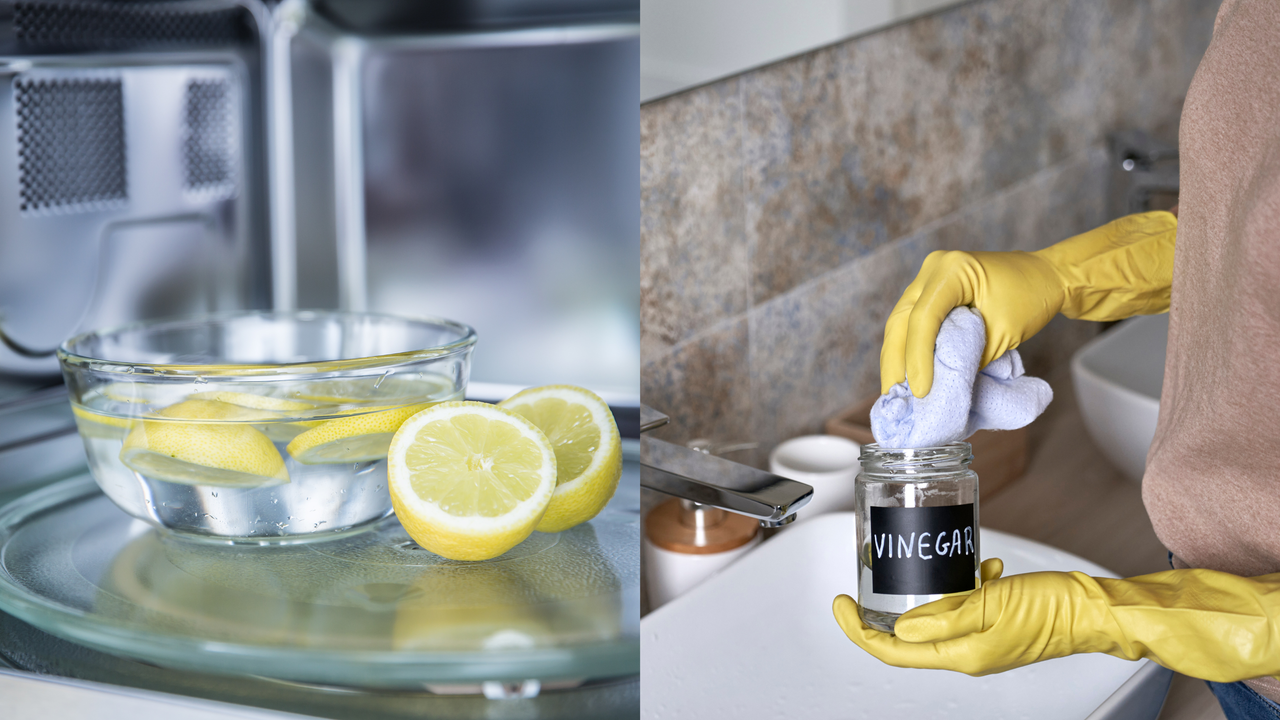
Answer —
651 419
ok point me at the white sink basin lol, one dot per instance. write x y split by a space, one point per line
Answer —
759 641
1118 377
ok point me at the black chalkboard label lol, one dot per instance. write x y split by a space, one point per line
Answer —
922 550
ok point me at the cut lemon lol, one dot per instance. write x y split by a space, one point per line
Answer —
100 425
384 390
132 393
253 400
588 450
211 448
272 409
351 439
469 480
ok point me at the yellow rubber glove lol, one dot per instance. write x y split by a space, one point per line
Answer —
1202 623
1121 269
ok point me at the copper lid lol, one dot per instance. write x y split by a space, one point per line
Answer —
692 529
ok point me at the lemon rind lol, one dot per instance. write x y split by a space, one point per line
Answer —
609 452
600 414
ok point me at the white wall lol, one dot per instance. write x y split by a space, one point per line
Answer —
689 42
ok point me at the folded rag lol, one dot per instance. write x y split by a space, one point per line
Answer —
962 400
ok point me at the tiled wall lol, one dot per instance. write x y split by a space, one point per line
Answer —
785 209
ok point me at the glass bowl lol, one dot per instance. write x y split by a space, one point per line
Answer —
257 426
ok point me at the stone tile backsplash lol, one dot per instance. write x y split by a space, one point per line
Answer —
694 266
706 380
785 209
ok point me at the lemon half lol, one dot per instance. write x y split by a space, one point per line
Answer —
588 449
214 446
470 481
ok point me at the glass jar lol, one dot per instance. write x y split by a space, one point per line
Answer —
917 528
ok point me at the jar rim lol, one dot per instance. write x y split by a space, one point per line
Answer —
952 455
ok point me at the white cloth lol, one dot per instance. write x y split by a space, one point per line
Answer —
962 400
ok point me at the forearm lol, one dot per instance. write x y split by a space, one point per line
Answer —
1119 270
1206 624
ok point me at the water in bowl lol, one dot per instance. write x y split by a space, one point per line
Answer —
251 462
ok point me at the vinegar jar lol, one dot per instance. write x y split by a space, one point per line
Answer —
917 528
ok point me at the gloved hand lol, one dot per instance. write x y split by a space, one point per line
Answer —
1121 269
1202 623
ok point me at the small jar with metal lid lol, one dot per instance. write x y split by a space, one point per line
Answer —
917 528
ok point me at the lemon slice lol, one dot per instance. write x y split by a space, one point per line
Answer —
132 393
352 439
384 390
253 401
469 480
100 425
588 449
273 408
203 451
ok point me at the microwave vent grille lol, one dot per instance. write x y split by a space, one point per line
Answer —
104 25
71 149
208 144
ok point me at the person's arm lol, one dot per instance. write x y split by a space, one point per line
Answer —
1121 269
1206 624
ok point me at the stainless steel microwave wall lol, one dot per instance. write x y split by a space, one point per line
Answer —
488 175
477 163
133 171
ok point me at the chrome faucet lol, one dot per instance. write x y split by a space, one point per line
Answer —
1144 175
709 480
